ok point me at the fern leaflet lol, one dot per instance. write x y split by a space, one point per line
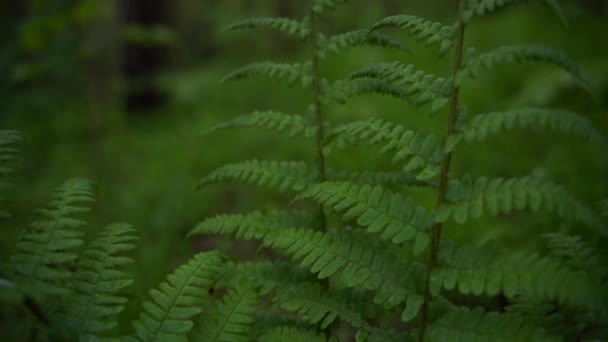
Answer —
47 248
93 306
463 324
422 30
381 211
168 315
338 43
232 318
421 152
291 124
283 175
292 73
470 199
520 54
290 27
251 226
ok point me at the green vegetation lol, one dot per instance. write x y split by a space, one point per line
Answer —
450 188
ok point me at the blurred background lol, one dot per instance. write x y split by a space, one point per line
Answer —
120 92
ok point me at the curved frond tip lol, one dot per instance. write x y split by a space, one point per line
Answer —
288 26
291 73
290 124
422 30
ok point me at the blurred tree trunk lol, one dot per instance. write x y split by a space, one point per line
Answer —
144 60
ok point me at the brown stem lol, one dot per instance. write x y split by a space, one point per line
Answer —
445 169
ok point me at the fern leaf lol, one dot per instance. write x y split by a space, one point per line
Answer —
292 73
290 27
9 148
490 271
485 7
264 274
464 324
380 178
420 152
342 90
290 124
420 87
499 196
338 43
251 226
422 30
579 255
292 334
484 125
232 318
520 54
167 317
326 253
283 175
93 307
381 211
47 248
319 6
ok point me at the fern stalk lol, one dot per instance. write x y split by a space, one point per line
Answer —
445 168
316 86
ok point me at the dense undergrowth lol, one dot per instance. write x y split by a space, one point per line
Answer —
414 242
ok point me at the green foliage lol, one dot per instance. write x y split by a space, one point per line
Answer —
286 25
290 124
291 73
168 316
287 333
9 148
338 43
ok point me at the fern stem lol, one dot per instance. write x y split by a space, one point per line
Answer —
445 169
316 85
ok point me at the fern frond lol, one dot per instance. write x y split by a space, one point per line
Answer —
290 124
420 152
579 255
168 316
490 271
292 334
319 6
485 7
381 211
291 73
9 148
338 43
499 196
283 175
251 226
380 178
47 248
96 283
264 274
290 27
232 318
520 54
419 86
372 268
484 125
425 31
317 307
342 90
464 324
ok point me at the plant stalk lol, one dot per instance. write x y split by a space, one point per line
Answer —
445 169
316 85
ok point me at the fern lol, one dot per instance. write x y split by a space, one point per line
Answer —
9 148
384 178
251 226
419 86
47 248
283 175
292 125
232 318
465 324
291 73
422 30
485 7
286 25
470 199
168 316
96 283
343 90
520 54
292 334
338 43
483 125
379 210
420 152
